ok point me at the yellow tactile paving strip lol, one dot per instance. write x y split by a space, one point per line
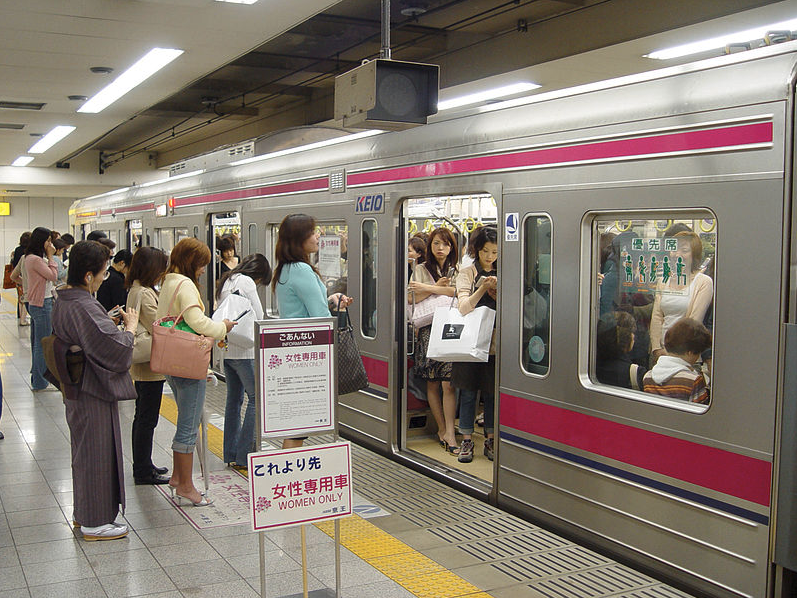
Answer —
417 573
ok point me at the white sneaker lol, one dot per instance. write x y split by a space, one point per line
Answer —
109 531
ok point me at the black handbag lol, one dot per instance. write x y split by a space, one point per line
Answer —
351 371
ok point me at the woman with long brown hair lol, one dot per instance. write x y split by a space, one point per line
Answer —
300 291
433 277
187 263
146 270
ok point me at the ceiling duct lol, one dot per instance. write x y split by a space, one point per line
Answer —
12 126
22 105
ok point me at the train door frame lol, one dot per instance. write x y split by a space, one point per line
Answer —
398 368
128 230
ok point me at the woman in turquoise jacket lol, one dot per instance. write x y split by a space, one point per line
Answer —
300 291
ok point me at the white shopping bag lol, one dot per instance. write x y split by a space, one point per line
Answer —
238 309
455 337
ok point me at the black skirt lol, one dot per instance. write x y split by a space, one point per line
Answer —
429 369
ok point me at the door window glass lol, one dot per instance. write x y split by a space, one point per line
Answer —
536 301
369 266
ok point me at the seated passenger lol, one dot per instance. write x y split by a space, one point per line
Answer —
673 375
614 343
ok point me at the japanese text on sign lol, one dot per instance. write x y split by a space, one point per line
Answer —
656 265
296 378
329 254
301 485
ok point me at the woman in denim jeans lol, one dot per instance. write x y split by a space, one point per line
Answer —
41 271
180 291
239 362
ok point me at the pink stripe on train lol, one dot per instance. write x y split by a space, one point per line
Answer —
730 473
636 147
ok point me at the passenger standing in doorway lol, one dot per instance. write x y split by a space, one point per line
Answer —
41 271
228 261
239 363
434 277
476 287
180 291
69 240
147 268
300 291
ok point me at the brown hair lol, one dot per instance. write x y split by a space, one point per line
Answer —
451 259
294 230
687 336
615 332
696 247
85 257
419 245
147 267
188 256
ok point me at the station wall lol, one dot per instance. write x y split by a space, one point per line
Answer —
26 214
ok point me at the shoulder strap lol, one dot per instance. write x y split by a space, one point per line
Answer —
174 295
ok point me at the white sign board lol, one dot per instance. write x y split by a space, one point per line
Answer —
329 249
301 485
297 376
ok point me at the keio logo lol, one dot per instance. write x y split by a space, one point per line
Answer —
370 204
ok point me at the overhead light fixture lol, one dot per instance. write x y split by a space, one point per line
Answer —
489 94
148 65
49 140
22 161
238 1
716 43
309 146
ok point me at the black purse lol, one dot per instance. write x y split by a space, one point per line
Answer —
351 371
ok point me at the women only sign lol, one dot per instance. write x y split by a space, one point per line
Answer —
301 485
296 376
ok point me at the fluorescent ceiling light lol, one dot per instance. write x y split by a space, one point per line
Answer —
309 146
238 1
483 96
49 140
716 43
22 161
148 65
185 175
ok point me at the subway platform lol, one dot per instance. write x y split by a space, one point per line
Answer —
411 536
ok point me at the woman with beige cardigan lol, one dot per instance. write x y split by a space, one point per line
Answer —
146 270
187 263
668 309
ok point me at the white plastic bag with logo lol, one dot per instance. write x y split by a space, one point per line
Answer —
455 337
237 308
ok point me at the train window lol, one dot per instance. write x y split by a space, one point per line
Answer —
369 269
164 239
332 258
536 294
196 232
653 306
252 238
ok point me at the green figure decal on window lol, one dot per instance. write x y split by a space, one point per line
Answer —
629 269
666 271
679 269
643 270
654 269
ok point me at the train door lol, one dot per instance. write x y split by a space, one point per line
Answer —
428 401
226 250
133 232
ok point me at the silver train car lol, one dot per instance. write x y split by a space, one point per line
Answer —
703 494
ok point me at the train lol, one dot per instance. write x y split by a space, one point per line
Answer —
701 494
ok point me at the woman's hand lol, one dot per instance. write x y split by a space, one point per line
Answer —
340 301
443 281
490 283
130 318
229 324
49 249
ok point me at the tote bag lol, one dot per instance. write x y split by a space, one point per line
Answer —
351 371
455 337
177 352
7 282
423 311
242 335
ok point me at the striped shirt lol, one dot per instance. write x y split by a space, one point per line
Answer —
685 384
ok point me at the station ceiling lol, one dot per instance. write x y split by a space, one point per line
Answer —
249 70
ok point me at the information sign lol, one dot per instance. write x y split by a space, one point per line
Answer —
329 251
300 485
297 376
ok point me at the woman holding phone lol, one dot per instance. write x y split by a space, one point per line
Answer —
239 363
433 277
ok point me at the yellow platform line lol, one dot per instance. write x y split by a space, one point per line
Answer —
412 570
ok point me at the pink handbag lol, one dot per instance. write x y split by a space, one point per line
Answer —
177 352
421 313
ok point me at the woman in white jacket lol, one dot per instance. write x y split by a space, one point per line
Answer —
239 362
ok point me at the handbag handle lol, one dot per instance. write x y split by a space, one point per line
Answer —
344 324
171 304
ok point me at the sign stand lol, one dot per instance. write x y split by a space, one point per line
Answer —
296 387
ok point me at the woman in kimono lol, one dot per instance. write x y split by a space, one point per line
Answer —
79 319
